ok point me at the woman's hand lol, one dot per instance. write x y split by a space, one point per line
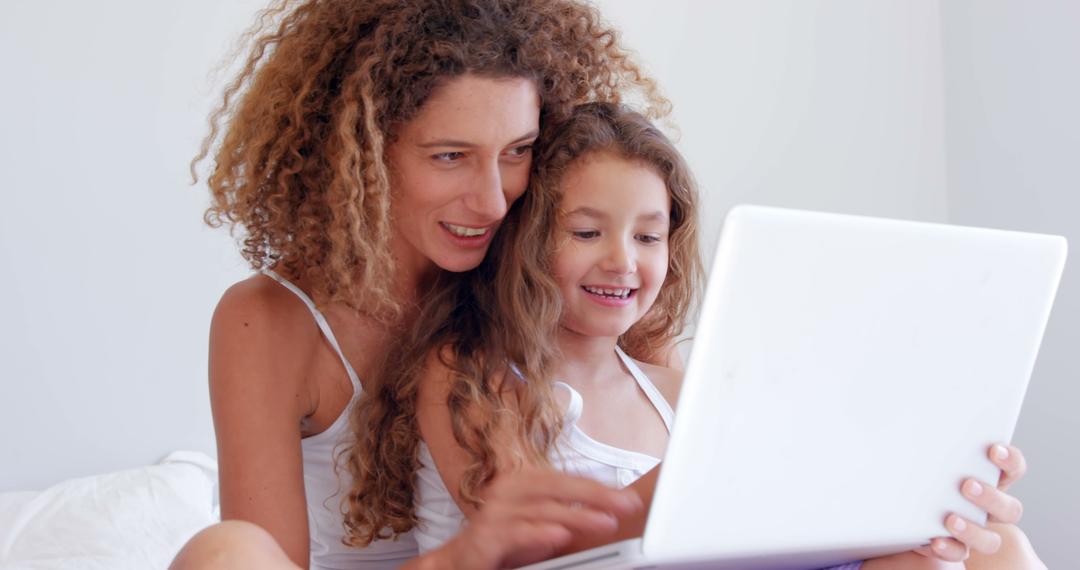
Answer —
528 516
999 505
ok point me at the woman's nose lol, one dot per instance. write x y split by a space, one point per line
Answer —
487 197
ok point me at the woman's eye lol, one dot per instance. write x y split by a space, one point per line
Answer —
453 156
519 151
585 234
649 238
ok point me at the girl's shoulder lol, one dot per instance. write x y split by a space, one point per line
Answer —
667 380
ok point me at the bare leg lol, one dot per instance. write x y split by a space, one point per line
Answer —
236 545
1016 552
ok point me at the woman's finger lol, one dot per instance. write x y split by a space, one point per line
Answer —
1011 461
1001 506
507 544
548 485
577 518
975 537
525 543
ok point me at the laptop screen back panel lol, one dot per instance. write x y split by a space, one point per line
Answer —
844 378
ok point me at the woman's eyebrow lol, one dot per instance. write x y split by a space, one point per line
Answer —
466 144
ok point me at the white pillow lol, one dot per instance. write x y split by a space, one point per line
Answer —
134 519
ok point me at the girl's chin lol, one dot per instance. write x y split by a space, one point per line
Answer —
595 330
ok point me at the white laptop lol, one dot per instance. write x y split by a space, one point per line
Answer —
847 374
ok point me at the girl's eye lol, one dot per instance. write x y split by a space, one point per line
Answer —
649 238
585 234
452 156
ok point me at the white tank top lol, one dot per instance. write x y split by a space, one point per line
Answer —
439 517
324 489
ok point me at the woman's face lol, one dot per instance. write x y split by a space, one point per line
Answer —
458 166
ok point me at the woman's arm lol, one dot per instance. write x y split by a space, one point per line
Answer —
260 344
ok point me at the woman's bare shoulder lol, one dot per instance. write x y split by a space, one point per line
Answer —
260 325
261 303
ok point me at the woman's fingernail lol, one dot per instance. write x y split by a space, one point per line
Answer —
973 488
1001 452
958 524
939 545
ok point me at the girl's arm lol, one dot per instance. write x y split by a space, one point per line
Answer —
668 380
260 343
529 514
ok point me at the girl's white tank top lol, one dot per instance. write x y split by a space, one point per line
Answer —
439 516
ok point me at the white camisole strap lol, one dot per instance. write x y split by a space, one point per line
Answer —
320 320
658 401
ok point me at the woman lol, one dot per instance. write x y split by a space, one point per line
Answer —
364 145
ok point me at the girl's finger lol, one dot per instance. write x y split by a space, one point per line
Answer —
1001 506
948 549
1011 461
975 537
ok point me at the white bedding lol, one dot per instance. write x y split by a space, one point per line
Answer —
133 519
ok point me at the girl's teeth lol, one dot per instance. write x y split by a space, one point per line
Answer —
620 293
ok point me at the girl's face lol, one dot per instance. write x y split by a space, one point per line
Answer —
458 166
612 256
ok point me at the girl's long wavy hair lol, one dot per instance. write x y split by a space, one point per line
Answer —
298 143
507 311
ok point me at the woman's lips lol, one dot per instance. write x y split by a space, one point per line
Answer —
468 236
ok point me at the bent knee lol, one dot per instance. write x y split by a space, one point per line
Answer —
232 544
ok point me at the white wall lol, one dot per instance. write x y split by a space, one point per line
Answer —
107 276
1013 124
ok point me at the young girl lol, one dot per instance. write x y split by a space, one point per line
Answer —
539 357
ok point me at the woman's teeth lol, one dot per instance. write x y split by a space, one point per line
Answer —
463 231
617 293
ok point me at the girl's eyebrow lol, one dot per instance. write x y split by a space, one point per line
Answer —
656 216
588 212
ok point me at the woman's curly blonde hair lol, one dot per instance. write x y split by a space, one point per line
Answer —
498 324
298 143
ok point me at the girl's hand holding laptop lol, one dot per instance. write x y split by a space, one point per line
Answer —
999 505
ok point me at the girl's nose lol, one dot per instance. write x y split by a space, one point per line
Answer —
619 259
